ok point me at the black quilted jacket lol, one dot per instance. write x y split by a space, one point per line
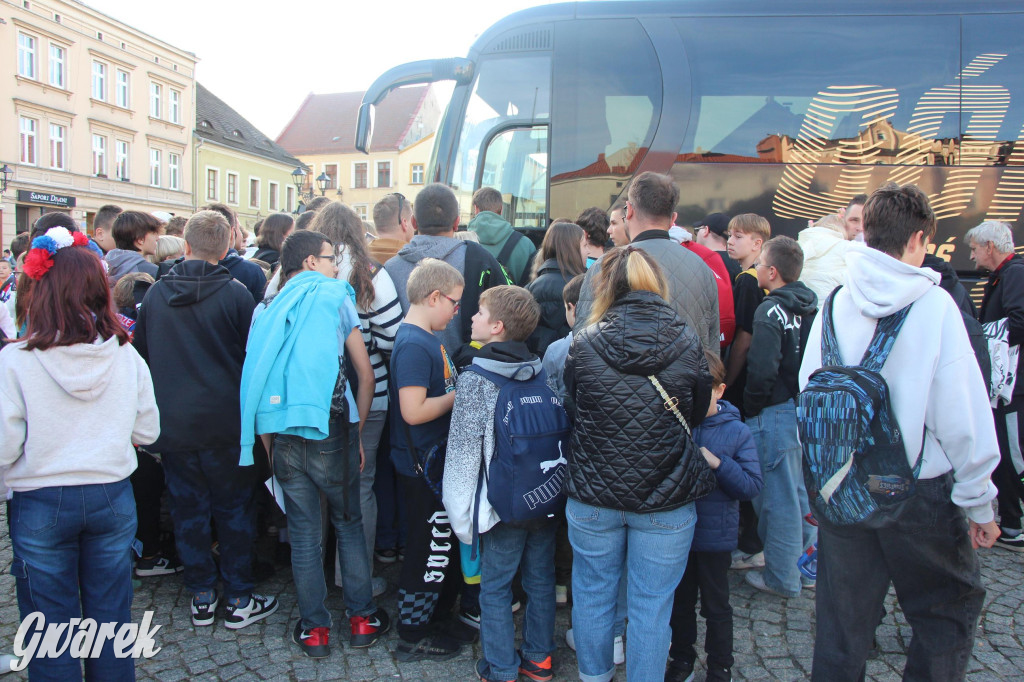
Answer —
627 451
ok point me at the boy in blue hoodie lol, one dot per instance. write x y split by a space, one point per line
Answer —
728 446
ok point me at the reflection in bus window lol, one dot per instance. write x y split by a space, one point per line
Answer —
506 89
607 102
516 164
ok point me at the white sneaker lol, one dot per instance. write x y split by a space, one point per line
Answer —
258 607
741 561
6 661
561 595
618 653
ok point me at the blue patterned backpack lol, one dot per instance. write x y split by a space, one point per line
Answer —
855 465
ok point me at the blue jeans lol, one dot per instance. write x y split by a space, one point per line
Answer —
72 559
783 500
652 548
391 521
307 469
504 550
205 485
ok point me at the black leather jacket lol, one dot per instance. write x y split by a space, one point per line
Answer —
628 451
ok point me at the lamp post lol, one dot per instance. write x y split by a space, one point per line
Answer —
5 175
299 180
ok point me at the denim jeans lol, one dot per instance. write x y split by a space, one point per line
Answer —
72 559
205 485
372 430
504 550
927 555
307 469
781 504
652 548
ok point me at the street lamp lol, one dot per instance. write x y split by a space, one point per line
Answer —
321 183
299 176
5 176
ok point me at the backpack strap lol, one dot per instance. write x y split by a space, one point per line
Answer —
510 245
829 344
886 331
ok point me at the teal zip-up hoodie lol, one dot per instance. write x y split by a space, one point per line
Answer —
292 361
493 231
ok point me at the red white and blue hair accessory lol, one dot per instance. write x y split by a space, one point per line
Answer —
39 259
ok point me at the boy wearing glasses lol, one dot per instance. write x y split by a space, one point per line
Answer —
422 388
780 326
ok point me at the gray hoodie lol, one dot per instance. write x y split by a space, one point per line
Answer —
448 249
87 404
121 262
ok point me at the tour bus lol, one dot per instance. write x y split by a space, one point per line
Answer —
785 109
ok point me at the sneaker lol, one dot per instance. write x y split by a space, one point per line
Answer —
561 595
385 556
313 642
459 630
380 585
6 663
1014 544
756 579
741 561
717 673
536 670
679 671
203 612
618 652
157 565
433 648
257 608
366 630
516 605
470 617
401 553
808 583
483 671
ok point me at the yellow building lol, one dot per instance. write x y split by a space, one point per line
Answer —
99 113
322 135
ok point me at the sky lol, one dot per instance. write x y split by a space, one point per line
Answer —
262 57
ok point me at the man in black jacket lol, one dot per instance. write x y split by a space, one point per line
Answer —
992 249
192 330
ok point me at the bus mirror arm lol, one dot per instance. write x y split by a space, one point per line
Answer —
458 69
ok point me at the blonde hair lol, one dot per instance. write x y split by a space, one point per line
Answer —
513 306
624 270
751 223
432 275
208 234
832 222
124 290
168 246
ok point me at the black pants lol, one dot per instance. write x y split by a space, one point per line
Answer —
148 487
1010 420
431 573
707 572
563 554
926 554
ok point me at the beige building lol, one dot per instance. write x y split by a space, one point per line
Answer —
322 135
99 113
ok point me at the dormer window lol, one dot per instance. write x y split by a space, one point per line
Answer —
237 133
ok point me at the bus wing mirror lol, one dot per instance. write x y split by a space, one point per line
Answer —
364 127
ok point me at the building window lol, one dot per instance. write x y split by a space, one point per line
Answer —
99 155
28 141
154 167
57 138
173 169
26 56
273 195
121 160
383 174
254 193
331 170
233 188
99 81
289 199
211 184
359 175
360 210
417 174
154 100
175 106
123 100
57 54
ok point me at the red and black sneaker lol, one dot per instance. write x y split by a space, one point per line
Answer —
536 670
313 642
366 630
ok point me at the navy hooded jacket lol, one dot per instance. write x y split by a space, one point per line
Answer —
738 477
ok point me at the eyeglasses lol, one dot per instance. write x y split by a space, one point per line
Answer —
456 304
330 258
401 198
762 265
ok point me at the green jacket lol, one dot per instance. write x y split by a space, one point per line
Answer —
493 231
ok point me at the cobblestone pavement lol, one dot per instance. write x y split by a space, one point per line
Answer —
774 637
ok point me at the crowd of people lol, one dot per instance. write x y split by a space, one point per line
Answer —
613 420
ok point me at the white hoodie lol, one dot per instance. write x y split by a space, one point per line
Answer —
69 415
932 373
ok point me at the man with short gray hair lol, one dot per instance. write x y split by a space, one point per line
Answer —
992 249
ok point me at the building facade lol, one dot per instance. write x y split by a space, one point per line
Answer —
238 165
99 113
322 135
